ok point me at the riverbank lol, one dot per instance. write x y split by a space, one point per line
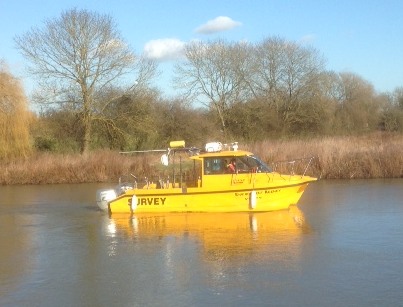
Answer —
373 156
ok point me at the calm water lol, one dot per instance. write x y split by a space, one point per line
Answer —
342 246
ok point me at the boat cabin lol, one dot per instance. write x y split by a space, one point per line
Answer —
214 167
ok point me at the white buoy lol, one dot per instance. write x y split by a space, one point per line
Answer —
252 200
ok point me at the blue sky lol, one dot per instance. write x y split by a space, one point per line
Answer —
362 37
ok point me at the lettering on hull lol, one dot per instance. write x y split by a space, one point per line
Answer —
151 201
258 192
160 201
245 195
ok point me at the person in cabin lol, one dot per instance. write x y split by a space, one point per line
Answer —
231 167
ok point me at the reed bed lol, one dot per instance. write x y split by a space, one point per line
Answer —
100 166
373 156
377 155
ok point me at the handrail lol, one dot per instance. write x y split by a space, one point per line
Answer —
293 163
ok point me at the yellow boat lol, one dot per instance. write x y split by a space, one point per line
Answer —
219 178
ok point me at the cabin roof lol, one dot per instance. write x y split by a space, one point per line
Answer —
224 153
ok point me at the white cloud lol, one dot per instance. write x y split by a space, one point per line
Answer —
221 23
164 49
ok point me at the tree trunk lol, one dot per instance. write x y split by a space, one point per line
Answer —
87 135
86 140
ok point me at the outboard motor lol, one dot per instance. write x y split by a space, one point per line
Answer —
104 196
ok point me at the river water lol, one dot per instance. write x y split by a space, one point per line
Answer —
342 246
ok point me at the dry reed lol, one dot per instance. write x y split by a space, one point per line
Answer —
376 155
100 166
373 156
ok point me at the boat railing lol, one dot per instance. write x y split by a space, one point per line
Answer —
301 166
186 179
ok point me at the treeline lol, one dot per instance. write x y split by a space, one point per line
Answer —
149 122
144 120
229 91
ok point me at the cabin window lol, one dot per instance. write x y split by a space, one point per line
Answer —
214 166
221 165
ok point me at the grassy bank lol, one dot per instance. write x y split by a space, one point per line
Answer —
374 156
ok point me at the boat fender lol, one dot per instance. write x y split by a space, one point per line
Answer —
252 199
134 203
164 160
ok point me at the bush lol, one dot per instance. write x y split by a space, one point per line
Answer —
43 143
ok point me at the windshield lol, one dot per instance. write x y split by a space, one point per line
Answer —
254 163
234 164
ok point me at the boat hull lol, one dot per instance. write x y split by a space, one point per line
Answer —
235 199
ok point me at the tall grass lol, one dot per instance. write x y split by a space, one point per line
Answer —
378 155
100 166
373 156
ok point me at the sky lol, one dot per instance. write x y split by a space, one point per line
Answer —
356 36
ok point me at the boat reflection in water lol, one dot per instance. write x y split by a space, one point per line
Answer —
267 235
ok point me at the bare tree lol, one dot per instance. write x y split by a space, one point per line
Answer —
285 73
214 73
74 57
268 70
